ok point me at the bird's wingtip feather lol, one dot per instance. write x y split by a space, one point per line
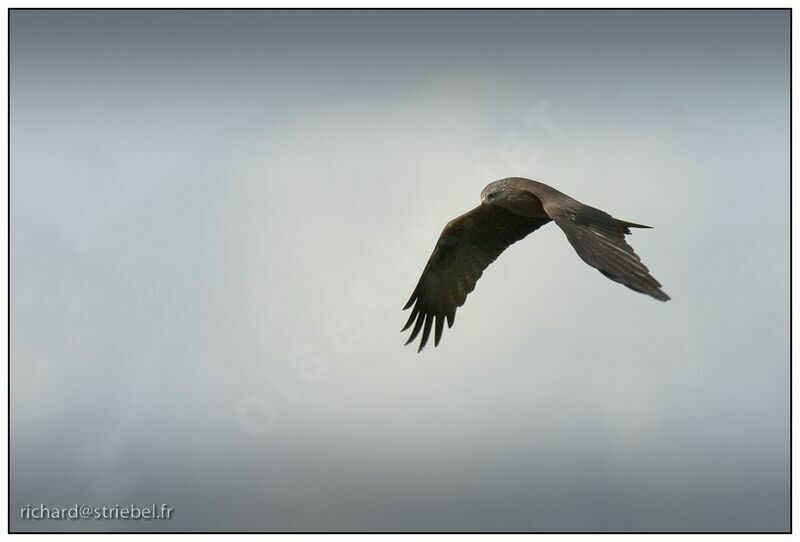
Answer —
660 295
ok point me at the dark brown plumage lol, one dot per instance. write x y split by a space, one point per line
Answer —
510 209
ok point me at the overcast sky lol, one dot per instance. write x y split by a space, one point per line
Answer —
216 218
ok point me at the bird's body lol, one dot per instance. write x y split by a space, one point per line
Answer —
510 209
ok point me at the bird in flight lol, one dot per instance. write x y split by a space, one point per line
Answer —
510 209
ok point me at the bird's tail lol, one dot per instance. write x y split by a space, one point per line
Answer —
625 225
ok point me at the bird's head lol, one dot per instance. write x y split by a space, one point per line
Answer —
493 192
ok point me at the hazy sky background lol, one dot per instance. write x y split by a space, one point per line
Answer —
216 218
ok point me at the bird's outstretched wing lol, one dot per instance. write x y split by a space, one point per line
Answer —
599 239
467 245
